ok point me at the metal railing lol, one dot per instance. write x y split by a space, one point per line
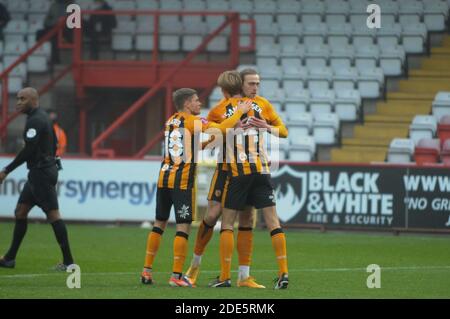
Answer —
232 20
79 65
6 116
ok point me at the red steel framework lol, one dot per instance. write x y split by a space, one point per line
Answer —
6 117
153 74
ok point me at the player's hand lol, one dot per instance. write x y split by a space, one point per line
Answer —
242 123
2 176
245 123
259 123
244 106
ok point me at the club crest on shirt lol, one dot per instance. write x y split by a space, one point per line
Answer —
175 122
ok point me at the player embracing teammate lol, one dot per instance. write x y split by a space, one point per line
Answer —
241 181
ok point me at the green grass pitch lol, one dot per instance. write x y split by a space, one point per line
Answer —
322 265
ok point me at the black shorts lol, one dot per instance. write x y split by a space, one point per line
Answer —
40 189
218 184
182 200
255 190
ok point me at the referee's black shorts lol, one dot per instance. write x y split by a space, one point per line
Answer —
255 190
183 202
40 189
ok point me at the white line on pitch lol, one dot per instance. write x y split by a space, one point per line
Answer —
253 271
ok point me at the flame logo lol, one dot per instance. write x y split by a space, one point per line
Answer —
288 199
291 201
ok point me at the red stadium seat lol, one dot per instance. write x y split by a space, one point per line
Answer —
445 153
444 128
427 151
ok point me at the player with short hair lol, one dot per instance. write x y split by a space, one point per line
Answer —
177 178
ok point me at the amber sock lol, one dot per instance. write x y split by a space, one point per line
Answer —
153 241
279 246
180 247
226 253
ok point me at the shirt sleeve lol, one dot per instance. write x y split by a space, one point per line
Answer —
275 121
33 132
214 116
228 123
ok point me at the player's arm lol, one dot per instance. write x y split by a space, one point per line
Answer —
213 116
275 125
242 108
206 143
33 132
272 122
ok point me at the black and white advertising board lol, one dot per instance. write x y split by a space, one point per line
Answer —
363 196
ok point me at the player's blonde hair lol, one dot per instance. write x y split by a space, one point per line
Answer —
230 82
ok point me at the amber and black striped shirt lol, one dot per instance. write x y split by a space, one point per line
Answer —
243 151
178 169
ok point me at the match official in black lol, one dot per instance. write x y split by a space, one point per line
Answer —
40 188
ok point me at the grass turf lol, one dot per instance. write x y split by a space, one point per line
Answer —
321 265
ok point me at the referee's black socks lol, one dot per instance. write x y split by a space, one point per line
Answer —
20 230
61 236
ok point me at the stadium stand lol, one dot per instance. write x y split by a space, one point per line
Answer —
401 150
302 149
326 128
444 128
423 126
441 105
326 62
416 96
427 151
445 153
316 58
